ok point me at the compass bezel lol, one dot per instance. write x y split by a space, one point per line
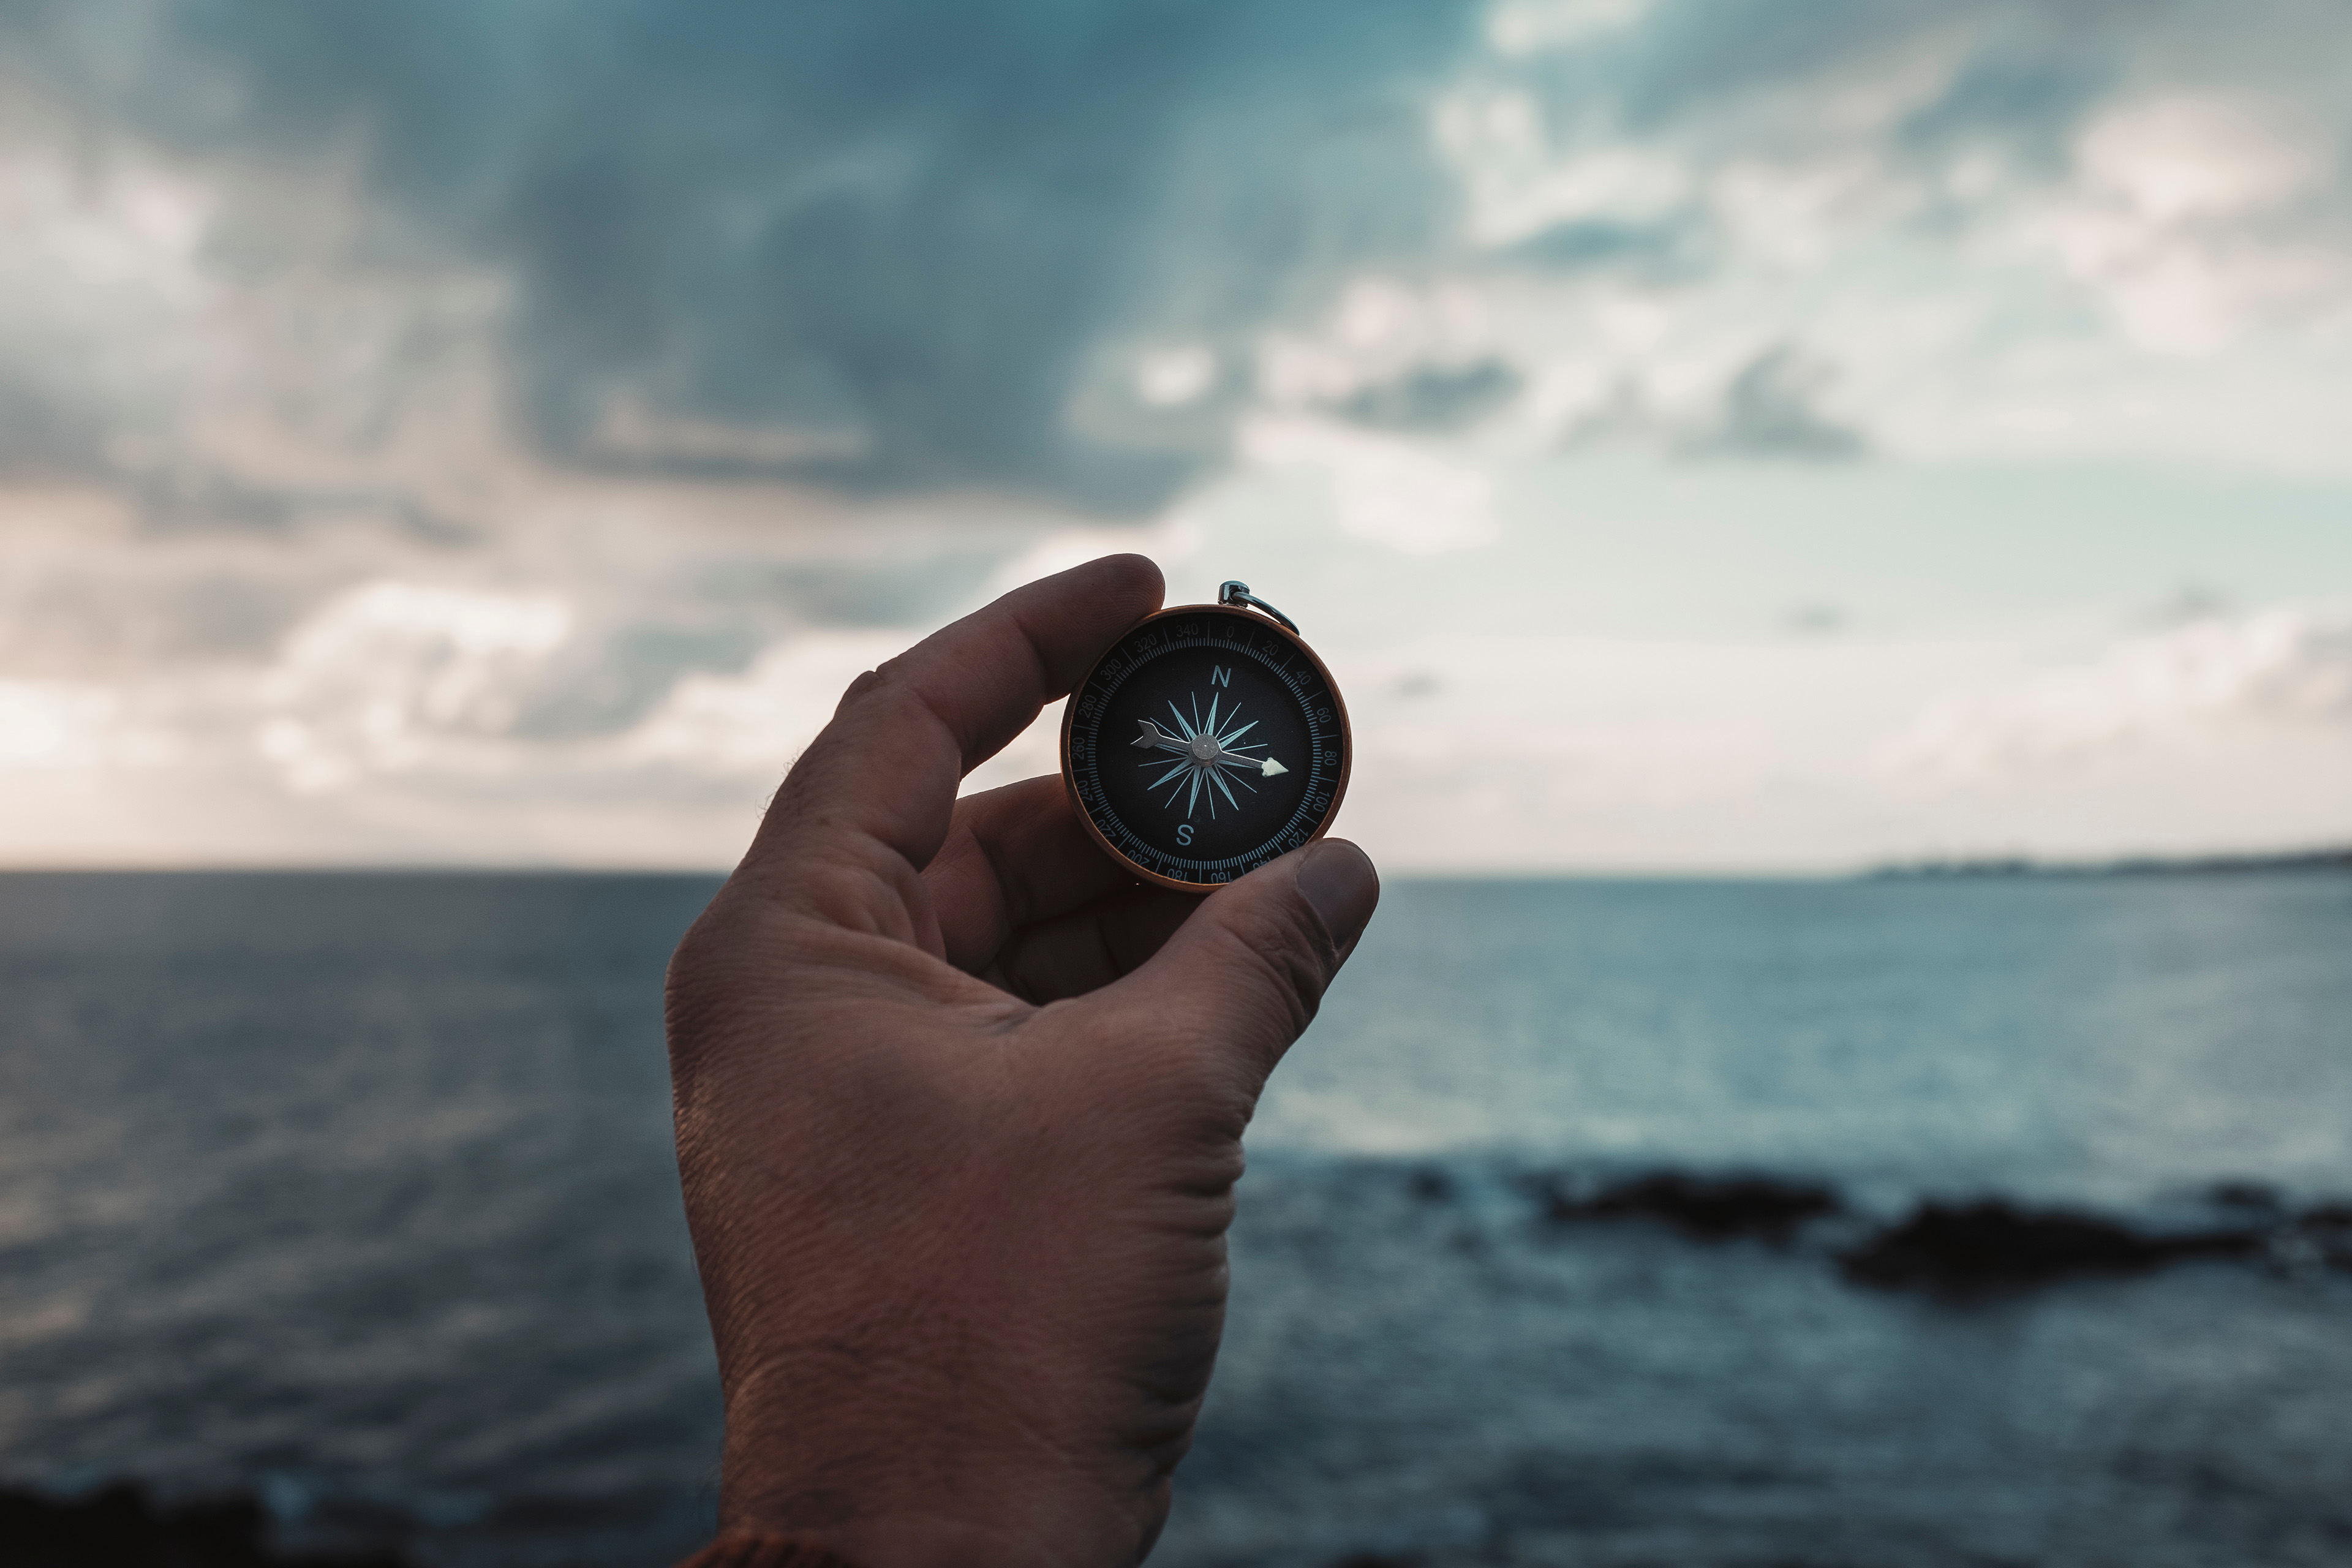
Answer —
1261 623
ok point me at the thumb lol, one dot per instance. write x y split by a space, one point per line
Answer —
1242 977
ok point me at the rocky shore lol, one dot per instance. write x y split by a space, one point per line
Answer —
1958 1249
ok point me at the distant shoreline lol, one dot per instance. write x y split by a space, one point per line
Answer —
2337 859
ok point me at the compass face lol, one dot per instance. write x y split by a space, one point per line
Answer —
1206 742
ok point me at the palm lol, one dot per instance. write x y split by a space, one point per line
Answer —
1024 898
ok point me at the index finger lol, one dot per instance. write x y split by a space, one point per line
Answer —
882 777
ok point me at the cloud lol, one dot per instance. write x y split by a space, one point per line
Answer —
1019 244
394 677
1771 409
750 727
2178 157
98 279
880 244
1528 26
1434 397
1521 177
2200 217
1383 492
2284 669
48 723
1674 250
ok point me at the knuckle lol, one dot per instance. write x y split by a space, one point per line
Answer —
885 689
866 686
863 890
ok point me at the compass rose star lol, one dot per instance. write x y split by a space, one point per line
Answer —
1211 758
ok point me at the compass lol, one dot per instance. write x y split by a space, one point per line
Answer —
1208 740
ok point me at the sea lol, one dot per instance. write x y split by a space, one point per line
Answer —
355 1193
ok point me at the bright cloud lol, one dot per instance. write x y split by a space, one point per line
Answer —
1383 491
2183 157
398 676
2192 214
750 726
2286 669
1527 26
50 724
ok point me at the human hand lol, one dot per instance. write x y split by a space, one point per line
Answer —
959 1107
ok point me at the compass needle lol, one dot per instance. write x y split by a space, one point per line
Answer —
1153 735
1272 769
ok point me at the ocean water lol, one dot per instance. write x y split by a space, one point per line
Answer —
357 1192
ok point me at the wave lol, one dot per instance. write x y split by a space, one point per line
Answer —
1324 1243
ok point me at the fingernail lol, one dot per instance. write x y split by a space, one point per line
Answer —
1341 885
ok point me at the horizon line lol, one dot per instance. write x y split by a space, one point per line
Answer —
1914 867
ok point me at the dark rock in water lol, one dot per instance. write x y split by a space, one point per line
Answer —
1430 1186
1712 1209
1993 1245
2258 1197
2325 1232
121 1528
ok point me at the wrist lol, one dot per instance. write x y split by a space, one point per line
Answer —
764 1552
927 1493
906 1543
884 1530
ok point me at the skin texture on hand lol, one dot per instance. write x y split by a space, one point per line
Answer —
959 1107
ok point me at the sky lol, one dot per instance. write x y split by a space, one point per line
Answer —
1701 435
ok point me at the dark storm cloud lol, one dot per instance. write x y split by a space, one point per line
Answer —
924 242
905 227
45 428
2026 102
